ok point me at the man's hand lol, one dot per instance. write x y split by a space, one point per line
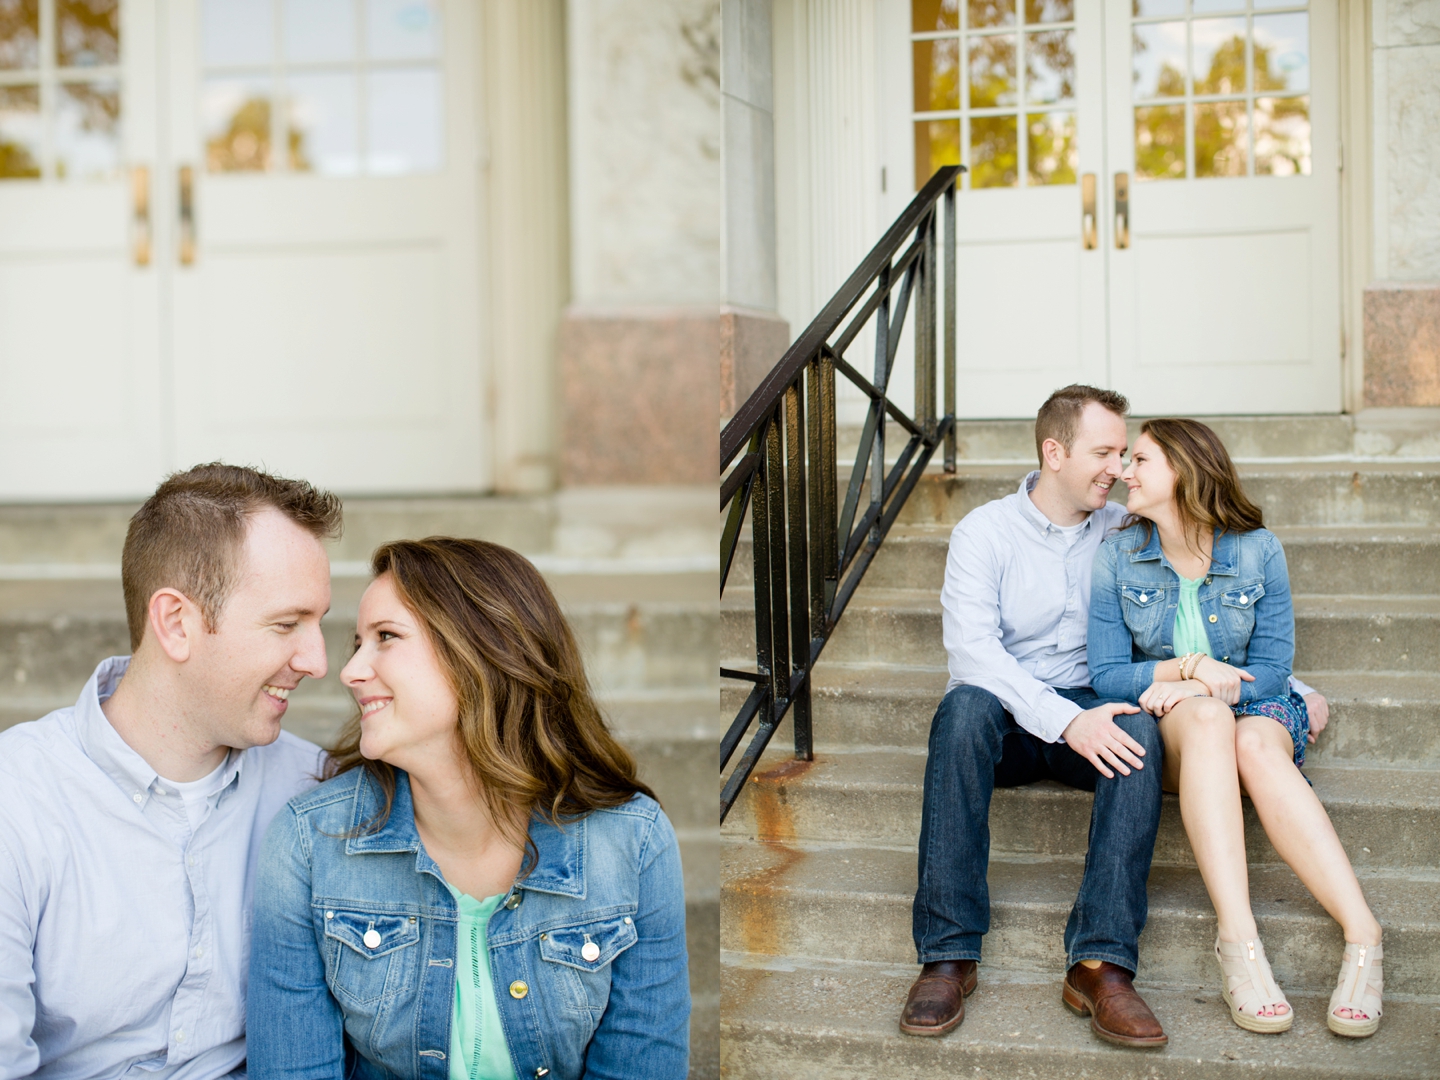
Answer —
1095 736
1319 710
1161 697
1222 680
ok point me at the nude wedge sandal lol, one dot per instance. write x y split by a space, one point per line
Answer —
1249 986
1361 982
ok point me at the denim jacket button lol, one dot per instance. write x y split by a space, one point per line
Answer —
514 901
518 990
371 939
590 951
1214 618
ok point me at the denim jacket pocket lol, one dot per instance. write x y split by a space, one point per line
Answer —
570 946
371 954
1142 607
1239 607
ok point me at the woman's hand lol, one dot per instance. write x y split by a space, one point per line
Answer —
1221 680
1319 710
1164 696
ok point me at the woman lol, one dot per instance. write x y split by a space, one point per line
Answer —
481 889
1194 585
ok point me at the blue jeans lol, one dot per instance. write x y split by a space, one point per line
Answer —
976 746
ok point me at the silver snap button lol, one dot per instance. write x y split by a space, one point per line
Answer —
590 951
371 939
1244 599
1214 618
627 920
329 914
514 901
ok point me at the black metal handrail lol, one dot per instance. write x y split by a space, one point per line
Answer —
810 551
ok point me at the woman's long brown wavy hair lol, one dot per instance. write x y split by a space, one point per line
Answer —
528 721
1208 494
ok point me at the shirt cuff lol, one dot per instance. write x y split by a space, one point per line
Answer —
1052 716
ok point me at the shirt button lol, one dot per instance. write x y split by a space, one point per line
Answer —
138 797
1214 618
199 953
518 990
180 1035
371 939
190 860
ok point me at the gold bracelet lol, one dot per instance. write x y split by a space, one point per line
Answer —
1183 660
1195 659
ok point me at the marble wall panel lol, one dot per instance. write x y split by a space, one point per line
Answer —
1412 146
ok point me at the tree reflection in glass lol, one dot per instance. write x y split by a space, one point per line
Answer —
994 152
937 143
87 32
87 131
1282 136
1052 153
937 74
992 71
19 132
19 34
1160 142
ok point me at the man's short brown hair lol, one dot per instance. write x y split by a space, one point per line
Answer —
190 535
1059 417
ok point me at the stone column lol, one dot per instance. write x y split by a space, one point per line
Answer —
1402 306
640 344
752 335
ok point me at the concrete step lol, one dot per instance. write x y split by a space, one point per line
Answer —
1385 719
900 626
1346 560
1386 818
853 903
1353 492
837 1021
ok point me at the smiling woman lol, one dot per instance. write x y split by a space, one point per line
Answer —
539 928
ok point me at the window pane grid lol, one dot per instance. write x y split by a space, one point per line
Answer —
1013 97
1222 91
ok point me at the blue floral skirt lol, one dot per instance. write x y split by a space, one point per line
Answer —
1290 712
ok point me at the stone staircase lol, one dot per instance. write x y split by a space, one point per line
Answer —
635 571
818 859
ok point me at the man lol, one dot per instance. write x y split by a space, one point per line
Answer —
1018 709
130 823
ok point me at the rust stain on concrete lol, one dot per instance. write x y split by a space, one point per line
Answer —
762 928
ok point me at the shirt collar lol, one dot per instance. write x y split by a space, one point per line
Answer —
1031 512
104 746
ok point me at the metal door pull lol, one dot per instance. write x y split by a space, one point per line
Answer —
187 215
1087 210
140 214
1122 210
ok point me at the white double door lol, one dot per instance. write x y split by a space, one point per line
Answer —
1152 196
242 230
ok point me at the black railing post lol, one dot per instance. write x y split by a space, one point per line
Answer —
809 550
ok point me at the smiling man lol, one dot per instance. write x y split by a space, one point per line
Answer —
130 823
1018 708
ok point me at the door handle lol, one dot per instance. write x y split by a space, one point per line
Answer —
187 215
1087 211
140 214
1122 210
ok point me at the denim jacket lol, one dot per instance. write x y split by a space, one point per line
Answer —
1244 602
352 969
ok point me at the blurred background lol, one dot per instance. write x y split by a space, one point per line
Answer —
456 260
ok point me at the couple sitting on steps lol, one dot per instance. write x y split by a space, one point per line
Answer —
1184 600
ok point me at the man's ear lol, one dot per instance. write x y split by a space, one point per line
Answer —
1054 454
174 620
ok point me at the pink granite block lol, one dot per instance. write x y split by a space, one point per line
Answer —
639 393
1402 345
751 343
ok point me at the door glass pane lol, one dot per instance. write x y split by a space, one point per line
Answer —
1158 64
1221 145
402 29
1282 136
1149 9
992 71
87 131
324 124
994 153
1160 142
235 113
927 16
404 129
1049 67
19 34
1219 56
19 132
1052 152
1282 52
319 30
937 143
990 13
1049 11
937 74
237 32
1216 7
87 33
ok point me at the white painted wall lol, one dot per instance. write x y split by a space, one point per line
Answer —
644 152
748 102
1406 139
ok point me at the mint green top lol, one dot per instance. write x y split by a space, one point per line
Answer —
1190 635
478 1050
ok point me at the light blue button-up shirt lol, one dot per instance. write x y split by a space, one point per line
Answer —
125 933
1016 604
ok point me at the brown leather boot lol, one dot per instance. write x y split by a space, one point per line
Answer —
937 999
1117 1013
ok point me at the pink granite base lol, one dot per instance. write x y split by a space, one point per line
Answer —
638 392
751 343
1402 345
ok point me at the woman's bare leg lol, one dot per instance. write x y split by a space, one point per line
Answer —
1298 827
1200 764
